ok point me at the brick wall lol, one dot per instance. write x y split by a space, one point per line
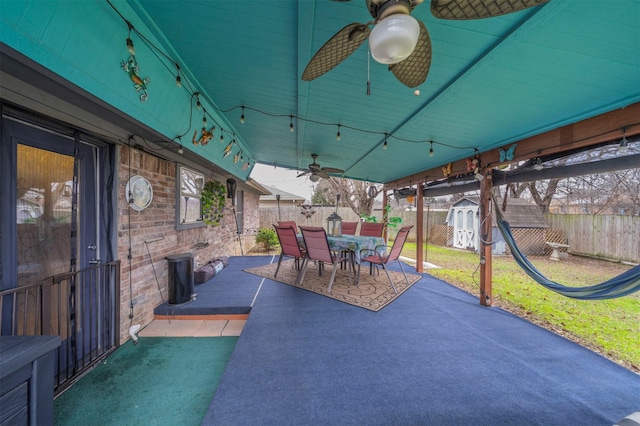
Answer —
156 226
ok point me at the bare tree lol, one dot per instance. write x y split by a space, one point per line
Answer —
356 194
614 192
629 182
542 192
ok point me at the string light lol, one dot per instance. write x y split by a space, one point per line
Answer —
130 47
178 79
199 105
221 134
180 150
204 117
384 145
431 149
537 165
623 148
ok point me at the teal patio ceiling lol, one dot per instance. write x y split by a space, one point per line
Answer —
492 82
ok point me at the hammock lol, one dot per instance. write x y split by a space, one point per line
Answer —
622 285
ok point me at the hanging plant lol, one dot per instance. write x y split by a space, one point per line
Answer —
213 201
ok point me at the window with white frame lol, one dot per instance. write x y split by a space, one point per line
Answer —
189 194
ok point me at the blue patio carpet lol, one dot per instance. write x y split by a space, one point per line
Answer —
229 292
433 356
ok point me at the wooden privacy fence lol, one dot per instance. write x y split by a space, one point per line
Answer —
608 236
269 216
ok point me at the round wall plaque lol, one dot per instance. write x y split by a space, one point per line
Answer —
138 193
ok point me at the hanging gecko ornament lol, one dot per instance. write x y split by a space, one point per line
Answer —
130 66
205 137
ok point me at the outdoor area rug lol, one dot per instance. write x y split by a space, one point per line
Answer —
159 381
372 293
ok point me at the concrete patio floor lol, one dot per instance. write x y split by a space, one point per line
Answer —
192 328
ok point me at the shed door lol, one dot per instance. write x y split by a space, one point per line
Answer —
464 233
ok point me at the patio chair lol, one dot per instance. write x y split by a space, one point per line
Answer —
384 259
317 245
349 228
289 245
291 223
371 229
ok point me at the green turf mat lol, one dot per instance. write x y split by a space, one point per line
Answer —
160 381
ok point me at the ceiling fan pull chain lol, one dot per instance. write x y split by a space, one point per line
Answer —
368 72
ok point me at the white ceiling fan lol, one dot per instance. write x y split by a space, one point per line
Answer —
399 40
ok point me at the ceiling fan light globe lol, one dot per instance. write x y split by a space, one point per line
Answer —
314 178
393 39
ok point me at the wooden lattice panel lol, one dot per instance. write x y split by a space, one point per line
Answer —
438 235
530 241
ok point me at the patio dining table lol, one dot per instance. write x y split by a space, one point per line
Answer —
355 244
352 243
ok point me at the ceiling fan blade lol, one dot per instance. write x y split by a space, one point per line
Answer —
302 174
332 170
337 49
478 9
413 71
323 174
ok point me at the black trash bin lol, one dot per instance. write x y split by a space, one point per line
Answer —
180 278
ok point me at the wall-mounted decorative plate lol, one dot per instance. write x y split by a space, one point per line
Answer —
138 193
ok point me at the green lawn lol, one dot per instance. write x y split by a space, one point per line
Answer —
610 327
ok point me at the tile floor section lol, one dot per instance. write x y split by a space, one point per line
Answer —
192 328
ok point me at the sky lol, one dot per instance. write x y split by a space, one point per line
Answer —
283 179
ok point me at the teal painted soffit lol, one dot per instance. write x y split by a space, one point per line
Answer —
84 42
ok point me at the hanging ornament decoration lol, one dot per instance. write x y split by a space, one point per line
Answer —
237 157
227 150
307 211
204 137
508 154
130 66
446 171
473 164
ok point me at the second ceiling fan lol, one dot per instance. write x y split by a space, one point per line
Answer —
315 171
399 40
